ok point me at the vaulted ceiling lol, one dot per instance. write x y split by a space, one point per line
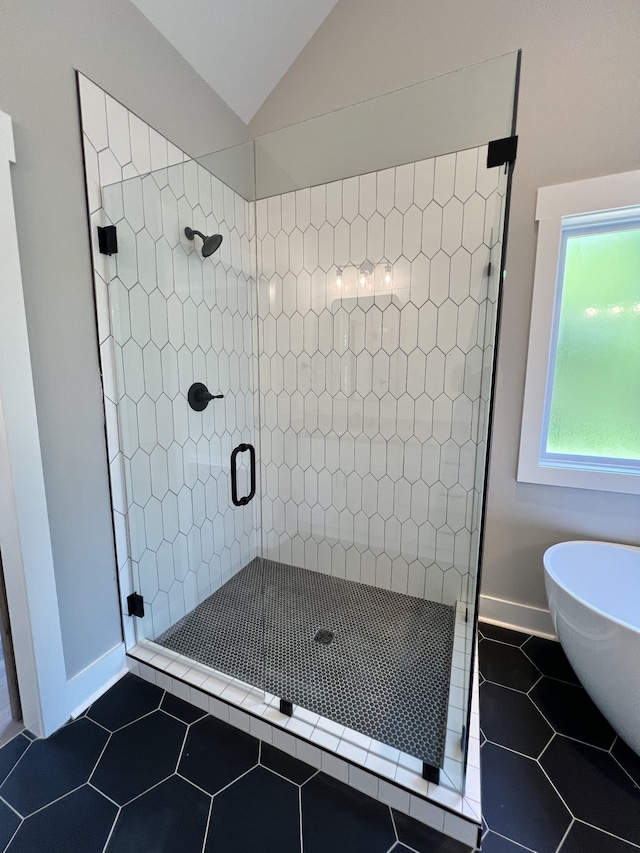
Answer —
242 48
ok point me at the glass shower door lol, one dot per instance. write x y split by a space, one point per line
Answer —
183 331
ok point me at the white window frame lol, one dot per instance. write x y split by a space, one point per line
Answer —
612 192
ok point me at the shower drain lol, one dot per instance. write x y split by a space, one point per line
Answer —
324 636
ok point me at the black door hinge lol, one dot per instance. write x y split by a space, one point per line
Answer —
501 151
107 239
135 603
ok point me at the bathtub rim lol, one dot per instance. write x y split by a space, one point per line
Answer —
548 569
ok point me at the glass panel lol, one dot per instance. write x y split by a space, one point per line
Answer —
355 289
595 408
476 472
182 316
376 325
460 110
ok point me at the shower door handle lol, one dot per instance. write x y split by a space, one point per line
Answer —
241 448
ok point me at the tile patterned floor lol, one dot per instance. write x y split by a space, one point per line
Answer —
385 673
144 772
555 776
556 779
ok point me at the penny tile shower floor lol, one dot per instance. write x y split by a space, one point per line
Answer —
384 671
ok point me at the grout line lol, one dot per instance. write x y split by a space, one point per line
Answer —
14 810
112 830
606 832
564 837
57 800
511 840
102 752
106 796
207 826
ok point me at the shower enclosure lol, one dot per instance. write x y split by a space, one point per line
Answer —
313 530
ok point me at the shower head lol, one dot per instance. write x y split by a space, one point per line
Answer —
209 244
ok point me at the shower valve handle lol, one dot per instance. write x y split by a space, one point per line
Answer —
199 396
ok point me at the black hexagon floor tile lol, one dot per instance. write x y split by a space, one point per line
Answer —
571 712
519 802
80 821
627 759
261 811
291 768
51 768
503 635
492 843
507 665
128 700
9 822
594 787
170 817
216 753
10 754
510 718
587 839
139 756
181 709
423 839
337 817
550 659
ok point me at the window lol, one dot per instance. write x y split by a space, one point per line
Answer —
581 418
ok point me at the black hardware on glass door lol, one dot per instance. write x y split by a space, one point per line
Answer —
242 448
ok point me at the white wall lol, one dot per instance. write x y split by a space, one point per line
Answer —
40 45
579 116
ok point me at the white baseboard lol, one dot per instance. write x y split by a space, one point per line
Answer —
521 617
92 682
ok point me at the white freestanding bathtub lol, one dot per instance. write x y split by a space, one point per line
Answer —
593 590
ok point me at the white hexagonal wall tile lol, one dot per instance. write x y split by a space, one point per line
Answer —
404 187
152 370
147 433
148 574
147 273
133 370
152 208
139 315
444 179
487 179
196 281
439 279
473 224
398 373
452 225
288 212
432 229
393 236
454 373
442 409
140 478
412 459
133 205
423 182
375 238
466 171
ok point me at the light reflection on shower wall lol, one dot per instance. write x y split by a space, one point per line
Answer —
372 299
